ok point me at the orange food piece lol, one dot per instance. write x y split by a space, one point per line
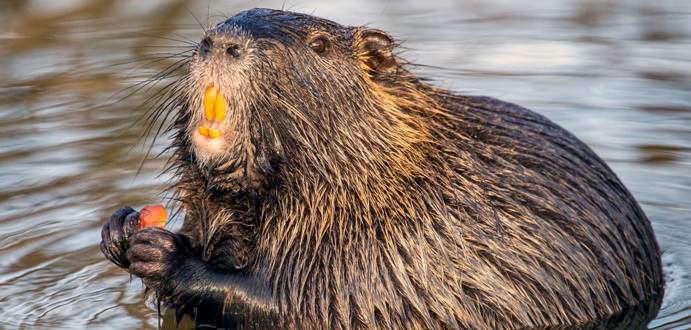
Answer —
152 215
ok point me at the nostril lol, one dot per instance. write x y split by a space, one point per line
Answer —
205 47
233 50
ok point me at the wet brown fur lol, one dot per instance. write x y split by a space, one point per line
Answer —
364 198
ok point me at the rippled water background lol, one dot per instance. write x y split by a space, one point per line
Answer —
616 73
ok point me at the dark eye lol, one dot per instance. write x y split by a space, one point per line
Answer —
318 45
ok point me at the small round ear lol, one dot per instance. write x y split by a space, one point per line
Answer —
374 48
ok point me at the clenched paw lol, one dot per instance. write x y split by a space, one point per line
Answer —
115 235
154 255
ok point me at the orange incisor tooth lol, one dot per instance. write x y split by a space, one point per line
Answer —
214 134
220 106
209 102
204 131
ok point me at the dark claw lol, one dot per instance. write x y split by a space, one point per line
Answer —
116 233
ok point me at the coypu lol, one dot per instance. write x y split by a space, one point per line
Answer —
324 186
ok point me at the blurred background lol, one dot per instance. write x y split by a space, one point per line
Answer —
617 73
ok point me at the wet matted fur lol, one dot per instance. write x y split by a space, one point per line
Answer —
346 193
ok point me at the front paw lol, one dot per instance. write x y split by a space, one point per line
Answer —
116 233
154 255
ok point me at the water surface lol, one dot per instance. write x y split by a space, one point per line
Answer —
616 73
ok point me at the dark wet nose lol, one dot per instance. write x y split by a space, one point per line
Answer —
230 48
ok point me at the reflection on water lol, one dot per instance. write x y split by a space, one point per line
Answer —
616 73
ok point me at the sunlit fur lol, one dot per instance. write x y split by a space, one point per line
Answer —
362 197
